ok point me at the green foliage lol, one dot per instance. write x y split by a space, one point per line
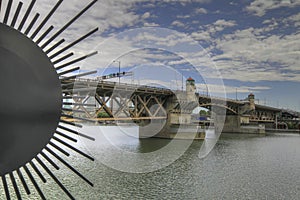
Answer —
292 125
203 113
102 115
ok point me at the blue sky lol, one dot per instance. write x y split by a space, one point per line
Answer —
251 45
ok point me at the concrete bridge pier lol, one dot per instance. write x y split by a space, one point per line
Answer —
171 128
232 124
152 128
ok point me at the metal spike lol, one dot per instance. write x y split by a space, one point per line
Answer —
80 118
23 181
69 166
62 58
70 123
32 23
73 43
7 11
34 182
4 183
44 34
46 19
68 24
16 18
13 22
66 136
38 172
59 149
76 60
76 132
69 71
13 180
80 90
74 97
72 110
54 178
73 148
50 161
26 15
79 104
79 75
55 46
67 85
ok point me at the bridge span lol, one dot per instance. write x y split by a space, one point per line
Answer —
107 102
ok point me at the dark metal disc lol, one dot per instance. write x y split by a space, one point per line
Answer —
30 101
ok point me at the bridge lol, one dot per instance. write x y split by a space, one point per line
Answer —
111 102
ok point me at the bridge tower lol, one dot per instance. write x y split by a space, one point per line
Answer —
190 89
251 99
178 123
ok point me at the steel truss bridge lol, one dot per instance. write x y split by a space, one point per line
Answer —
110 101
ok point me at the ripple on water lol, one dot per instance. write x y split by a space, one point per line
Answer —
240 167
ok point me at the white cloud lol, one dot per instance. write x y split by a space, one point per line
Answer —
106 14
201 35
177 23
151 24
183 16
146 15
260 7
224 23
207 32
247 53
200 11
247 58
182 1
295 19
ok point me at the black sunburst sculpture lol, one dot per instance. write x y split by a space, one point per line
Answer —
32 110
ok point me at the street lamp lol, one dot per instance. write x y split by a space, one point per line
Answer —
119 68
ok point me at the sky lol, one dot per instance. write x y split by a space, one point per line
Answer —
231 48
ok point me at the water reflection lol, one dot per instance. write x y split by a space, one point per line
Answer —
239 167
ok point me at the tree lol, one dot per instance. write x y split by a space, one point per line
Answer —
203 113
103 115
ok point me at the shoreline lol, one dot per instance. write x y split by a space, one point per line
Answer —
294 131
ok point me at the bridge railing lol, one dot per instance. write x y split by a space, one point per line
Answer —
221 99
115 84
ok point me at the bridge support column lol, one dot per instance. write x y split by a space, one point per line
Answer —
176 126
232 124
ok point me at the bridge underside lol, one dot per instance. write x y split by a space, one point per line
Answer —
108 102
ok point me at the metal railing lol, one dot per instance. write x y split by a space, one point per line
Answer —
120 85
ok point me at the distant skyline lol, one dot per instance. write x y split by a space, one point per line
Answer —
254 44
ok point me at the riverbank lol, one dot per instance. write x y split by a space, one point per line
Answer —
296 131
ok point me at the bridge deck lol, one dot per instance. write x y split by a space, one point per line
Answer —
108 86
113 86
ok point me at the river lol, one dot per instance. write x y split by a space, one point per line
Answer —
239 167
